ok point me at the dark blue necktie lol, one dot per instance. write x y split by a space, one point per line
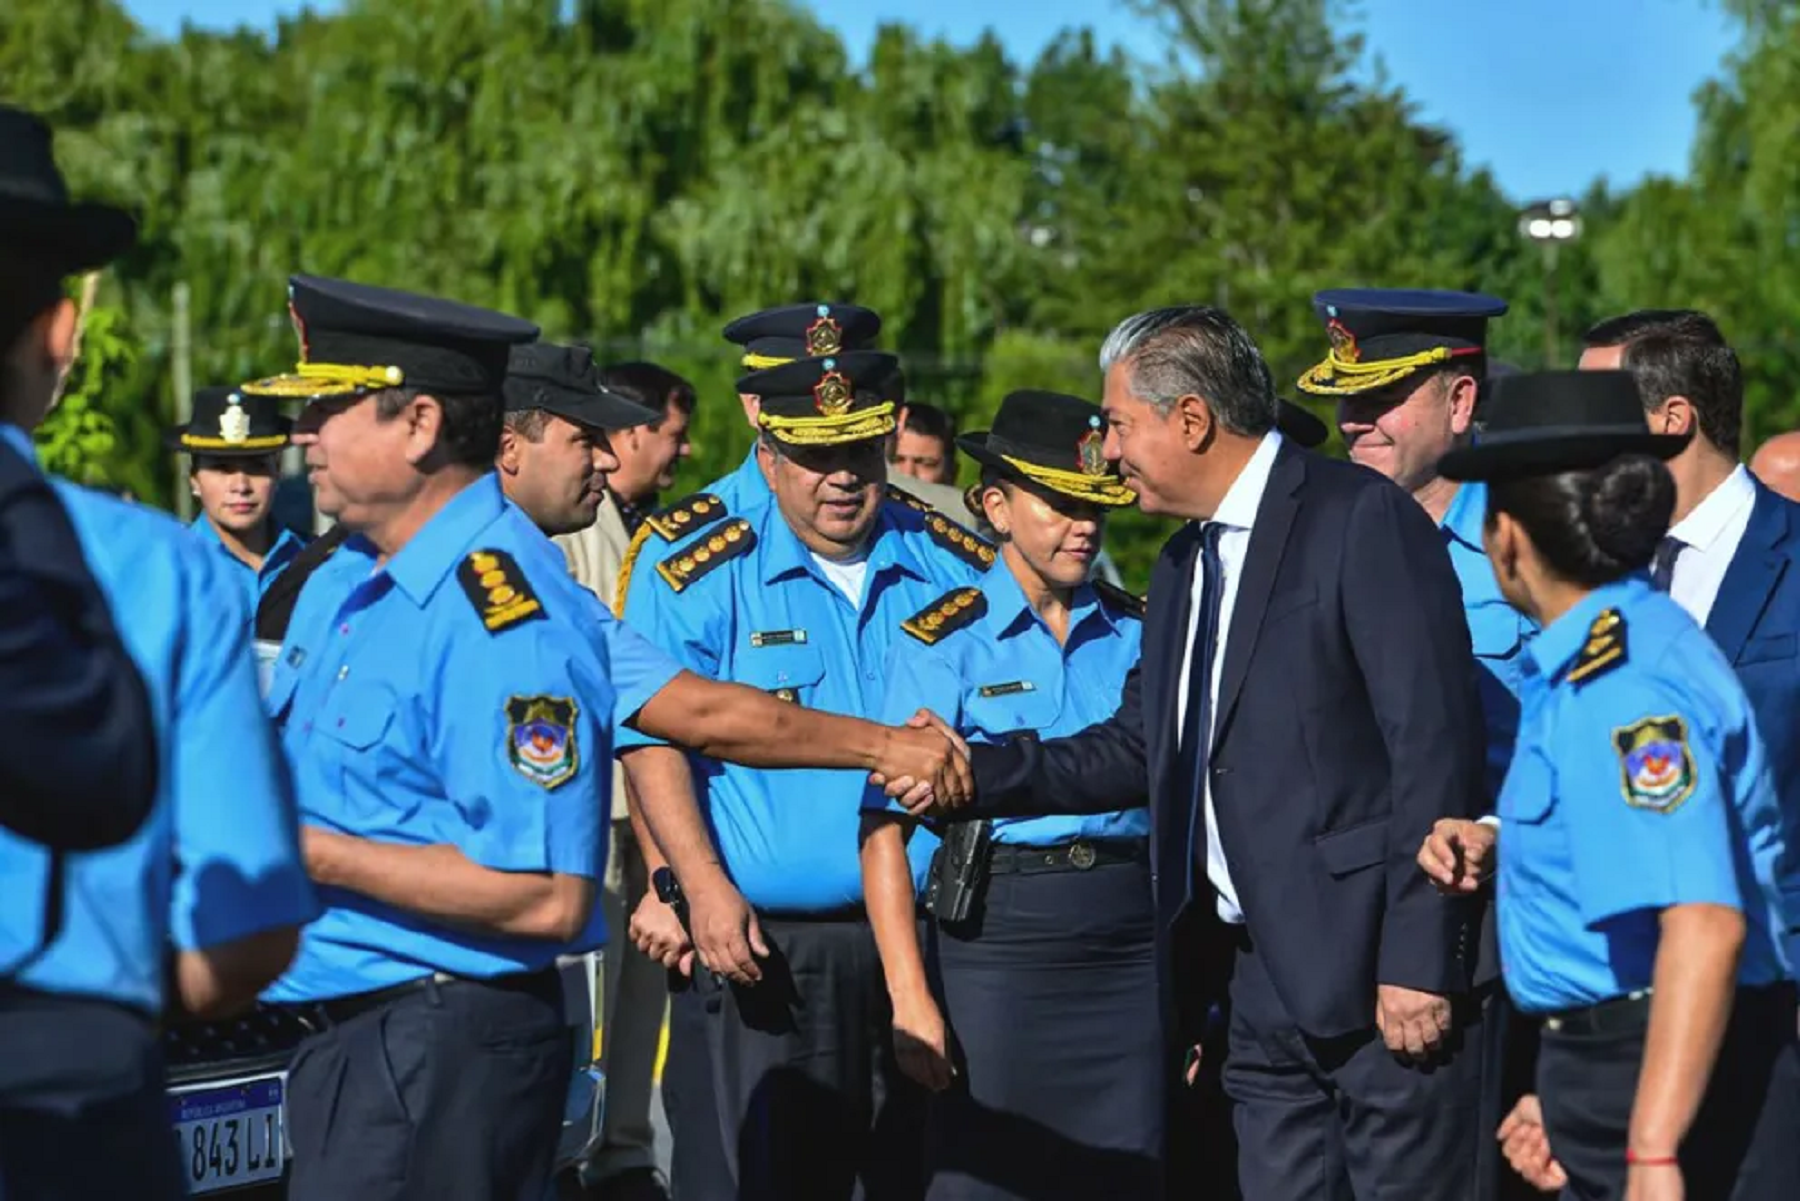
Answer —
1662 565
1196 722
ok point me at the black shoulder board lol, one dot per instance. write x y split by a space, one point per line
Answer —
686 515
498 590
1603 650
946 615
901 496
704 554
276 608
1117 598
972 549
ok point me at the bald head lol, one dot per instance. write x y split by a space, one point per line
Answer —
1777 464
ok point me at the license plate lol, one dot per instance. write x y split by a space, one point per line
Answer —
230 1134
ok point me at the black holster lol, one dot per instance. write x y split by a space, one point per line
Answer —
958 870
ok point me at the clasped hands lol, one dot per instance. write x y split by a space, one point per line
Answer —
925 766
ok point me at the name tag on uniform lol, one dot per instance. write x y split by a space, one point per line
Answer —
777 637
1016 686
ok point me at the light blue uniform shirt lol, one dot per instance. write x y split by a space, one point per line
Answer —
1640 786
254 581
1005 672
412 719
219 857
1498 632
741 492
770 618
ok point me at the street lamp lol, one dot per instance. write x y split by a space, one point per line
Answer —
1550 223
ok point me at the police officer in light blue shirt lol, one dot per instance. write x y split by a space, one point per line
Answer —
450 728
803 599
1640 920
215 874
1049 979
234 442
770 338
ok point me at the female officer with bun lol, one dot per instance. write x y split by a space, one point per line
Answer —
1047 967
1639 918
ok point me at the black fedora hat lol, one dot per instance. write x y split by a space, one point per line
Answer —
1051 441
1553 421
35 210
230 422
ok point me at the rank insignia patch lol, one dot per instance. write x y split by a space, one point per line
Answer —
977 552
1604 649
946 615
1655 763
498 590
703 555
686 515
540 738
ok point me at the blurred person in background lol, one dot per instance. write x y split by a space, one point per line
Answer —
1777 464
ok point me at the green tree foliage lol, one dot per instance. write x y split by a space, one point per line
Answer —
633 173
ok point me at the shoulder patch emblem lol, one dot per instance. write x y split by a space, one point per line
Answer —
946 615
1117 598
1655 764
977 552
540 738
901 496
498 590
1604 649
705 554
686 515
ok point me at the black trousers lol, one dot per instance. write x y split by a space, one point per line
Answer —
806 1100
1050 994
82 1108
1508 1072
451 1092
1343 1118
1744 1144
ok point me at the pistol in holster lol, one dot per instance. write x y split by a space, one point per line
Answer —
958 870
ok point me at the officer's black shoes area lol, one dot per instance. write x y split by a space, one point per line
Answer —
633 1184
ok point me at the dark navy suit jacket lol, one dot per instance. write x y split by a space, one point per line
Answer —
77 737
1348 721
1756 622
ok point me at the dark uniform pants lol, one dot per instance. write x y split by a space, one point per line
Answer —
1343 1118
806 1101
1744 1144
1050 994
83 1113
449 1092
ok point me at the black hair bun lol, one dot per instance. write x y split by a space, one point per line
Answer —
1627 507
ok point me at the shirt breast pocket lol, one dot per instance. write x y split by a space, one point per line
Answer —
1529 795
789 670
1008 706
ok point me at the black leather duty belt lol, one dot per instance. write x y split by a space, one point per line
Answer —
1613 1016
1078 856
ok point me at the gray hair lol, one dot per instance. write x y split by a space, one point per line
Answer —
1195 350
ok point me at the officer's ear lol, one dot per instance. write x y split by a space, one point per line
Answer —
511 452
1462 393
424 418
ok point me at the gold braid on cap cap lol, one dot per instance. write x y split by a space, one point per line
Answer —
1320 379
762 362
1101 489
310 380
873 422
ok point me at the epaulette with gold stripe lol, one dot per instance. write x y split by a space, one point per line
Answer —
503 598
706 554
1603 650
690 513
972 549
901 496
1118 598
946 615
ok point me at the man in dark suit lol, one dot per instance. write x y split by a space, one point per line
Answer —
1731 559
78 768
1305 707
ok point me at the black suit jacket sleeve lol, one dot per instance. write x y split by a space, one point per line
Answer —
78 761
1404 616
1099 770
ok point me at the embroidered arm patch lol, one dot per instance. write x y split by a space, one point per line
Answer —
946 615
498 590
706 554
1655 764
540 738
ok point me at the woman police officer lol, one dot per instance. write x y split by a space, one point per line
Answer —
1049 979
1639 916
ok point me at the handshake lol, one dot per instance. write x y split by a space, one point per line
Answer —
925 766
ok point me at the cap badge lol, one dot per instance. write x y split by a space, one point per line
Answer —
234 423
1343 342
824 336
1090 453
831 395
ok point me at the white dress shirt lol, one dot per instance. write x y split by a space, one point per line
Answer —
1710 536
1237 514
